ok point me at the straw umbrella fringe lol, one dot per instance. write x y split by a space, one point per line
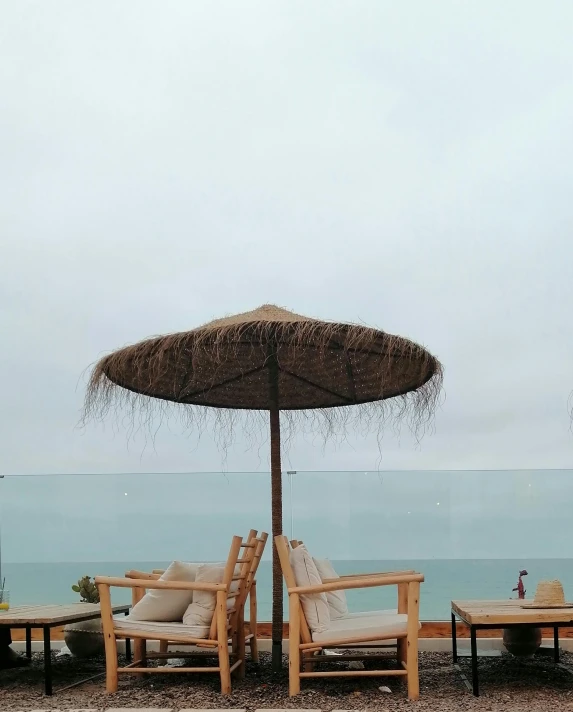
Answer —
272 360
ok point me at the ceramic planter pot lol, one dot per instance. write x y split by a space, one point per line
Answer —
85 639
523 642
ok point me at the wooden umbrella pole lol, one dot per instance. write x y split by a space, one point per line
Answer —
277 513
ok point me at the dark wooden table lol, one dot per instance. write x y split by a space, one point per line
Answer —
48 617
482 615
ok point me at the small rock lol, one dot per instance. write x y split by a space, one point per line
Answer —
356 665
383 688
175 662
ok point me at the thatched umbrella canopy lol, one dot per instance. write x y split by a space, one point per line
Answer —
270 360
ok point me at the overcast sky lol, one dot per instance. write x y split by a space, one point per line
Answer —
407 165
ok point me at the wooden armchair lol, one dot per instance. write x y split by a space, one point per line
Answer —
226 624
306 645
257 544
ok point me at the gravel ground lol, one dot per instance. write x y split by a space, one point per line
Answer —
507 684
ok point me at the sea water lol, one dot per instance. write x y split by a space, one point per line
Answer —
445 580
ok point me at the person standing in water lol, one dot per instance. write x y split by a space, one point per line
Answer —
520 588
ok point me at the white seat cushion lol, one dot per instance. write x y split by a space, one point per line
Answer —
365 614
336 599
164 605
380 627
315 605
161 630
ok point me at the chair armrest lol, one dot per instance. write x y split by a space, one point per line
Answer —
360 582
134 574
171 585
366 575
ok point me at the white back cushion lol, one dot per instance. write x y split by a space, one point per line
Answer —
315 605
162 605
336 599
199 613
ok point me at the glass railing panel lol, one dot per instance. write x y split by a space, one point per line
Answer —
57 528
469 532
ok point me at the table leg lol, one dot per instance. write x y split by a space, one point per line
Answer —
28 642
127 646
556 644
47 661
454 639
475 682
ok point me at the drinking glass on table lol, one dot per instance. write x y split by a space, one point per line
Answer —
4 599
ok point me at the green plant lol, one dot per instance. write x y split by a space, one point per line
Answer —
87 590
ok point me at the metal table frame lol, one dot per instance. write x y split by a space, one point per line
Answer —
48 689
474 627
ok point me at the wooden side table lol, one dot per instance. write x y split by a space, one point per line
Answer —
48 617
482 615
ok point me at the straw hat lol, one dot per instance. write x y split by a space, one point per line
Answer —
549 594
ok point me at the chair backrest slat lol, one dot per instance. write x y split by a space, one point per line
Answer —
228 573
282 545
249 565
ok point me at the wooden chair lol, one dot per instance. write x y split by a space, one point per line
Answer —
226 624
257 543
306 647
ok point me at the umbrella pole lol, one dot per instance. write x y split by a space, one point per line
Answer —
277 529
277 515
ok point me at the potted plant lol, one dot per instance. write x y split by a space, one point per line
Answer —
522 641
85 639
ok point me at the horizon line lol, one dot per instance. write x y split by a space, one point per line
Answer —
287 472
